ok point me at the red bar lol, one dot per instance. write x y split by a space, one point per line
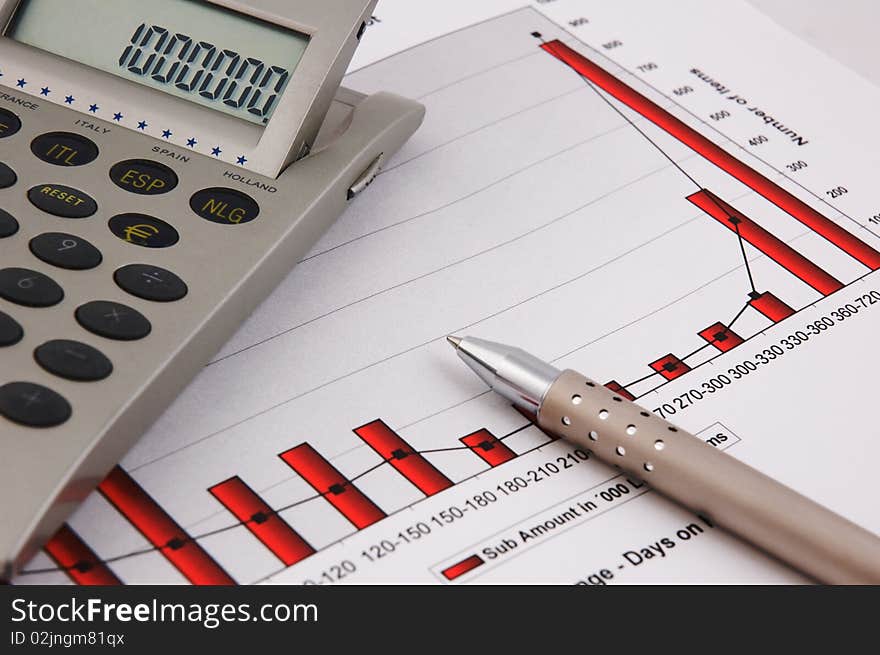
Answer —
77 560
144 513
777 250
721 336
403 458
771 307
617 388
464 566
486 445
263 522
801 211
332 485
533 419
670 367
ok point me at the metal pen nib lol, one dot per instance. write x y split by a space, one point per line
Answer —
513 373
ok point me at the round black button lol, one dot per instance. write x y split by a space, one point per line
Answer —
150 283
8 224
143 230
10 331
224 206
113 320
66 251
33 405
73 360
29 288
144 177
7 176
9 123
63 201
64 149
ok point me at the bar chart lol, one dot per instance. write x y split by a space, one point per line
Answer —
556 199
721 335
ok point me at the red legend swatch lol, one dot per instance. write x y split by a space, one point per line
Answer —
464 566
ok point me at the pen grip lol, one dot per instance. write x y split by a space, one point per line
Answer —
708 481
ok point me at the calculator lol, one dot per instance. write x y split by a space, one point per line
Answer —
163 165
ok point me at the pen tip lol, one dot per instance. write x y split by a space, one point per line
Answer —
454 341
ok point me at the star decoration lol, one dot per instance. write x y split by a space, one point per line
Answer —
242 160
21 83
167 133
191 142
69 100
45 91
216 151
117 117
142 125
93 108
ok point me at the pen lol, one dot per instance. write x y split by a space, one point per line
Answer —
744 501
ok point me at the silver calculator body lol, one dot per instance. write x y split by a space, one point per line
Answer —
127 261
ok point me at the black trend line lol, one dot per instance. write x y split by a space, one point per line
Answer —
181 541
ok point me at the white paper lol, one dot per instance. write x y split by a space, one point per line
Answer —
528 211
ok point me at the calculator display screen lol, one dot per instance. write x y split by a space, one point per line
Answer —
218 58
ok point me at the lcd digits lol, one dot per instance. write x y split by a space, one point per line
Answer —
244 84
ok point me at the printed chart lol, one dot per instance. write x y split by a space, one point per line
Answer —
560 197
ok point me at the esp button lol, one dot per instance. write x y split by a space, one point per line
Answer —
144 177
9 123
63 201
224 206
64 149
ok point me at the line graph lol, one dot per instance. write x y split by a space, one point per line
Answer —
280 479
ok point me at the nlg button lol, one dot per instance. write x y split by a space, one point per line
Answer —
224 206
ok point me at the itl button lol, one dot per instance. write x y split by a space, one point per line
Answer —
224 206
144 177
64 149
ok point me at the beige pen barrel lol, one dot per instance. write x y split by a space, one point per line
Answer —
704 479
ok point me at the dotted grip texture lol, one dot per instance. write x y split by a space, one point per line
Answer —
737 497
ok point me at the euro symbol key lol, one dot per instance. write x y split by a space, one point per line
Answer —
140 233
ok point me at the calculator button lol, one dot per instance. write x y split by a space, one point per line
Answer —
64 149
63 201
8 224
29 288
150 283
66 251
10 331
143 230
9 123
7 176
144 177
73 360
224 206
33 405
113 320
